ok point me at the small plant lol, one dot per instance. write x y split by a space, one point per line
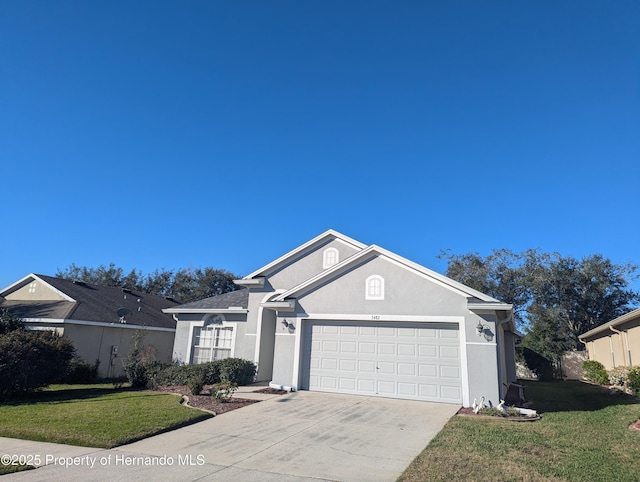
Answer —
492 412
594 372
618 376
633 380
224 390
195 384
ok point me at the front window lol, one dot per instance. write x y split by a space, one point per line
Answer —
211 342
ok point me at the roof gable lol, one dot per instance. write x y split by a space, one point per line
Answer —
303 249
374 250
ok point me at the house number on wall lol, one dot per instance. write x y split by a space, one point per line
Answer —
375 317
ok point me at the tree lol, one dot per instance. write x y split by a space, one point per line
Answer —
184 285
503 274
555 298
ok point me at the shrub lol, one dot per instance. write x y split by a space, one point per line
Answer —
133 363
594 372
618 376
237 370
195 385
633 380
80 371
223 391
158 374
30 360
9 322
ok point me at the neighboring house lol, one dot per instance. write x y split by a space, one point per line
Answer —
616 343
336 315
98 320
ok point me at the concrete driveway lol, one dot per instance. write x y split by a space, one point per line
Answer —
295 437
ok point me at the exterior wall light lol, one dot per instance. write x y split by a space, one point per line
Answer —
480 328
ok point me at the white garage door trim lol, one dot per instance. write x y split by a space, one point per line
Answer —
386 355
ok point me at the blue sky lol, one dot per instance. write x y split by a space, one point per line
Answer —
168 134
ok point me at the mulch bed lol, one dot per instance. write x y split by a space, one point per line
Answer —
205 401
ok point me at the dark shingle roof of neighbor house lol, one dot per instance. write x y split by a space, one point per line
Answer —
234 299
96 303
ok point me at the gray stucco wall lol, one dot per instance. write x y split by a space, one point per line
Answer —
407 293
308 265
244 345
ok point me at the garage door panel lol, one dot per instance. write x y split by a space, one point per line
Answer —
386 349
426 351
450 372
348 365
348 347
451 334
449 352
406 350
386 368
367 386
366 366
368 347
407 369
402 360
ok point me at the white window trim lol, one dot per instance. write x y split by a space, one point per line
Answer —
325 257
367 291
204 321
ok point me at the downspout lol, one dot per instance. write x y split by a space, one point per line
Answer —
625 353
501 353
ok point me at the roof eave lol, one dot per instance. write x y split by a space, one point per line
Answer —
613 323
230 311
301 248
250 282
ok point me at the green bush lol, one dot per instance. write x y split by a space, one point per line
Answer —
30 360
195 385
80 371
594 372
237 370
223 391
633 380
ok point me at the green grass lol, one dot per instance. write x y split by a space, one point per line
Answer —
10 469
583 436
94 415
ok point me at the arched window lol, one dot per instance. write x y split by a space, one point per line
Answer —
330 257
375 288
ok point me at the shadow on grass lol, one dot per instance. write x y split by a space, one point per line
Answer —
572 396
70 395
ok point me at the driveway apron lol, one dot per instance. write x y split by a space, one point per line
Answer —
294 437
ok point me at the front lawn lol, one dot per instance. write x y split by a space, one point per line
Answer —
94 415
583 436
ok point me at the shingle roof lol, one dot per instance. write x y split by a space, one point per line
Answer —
236 299
96 303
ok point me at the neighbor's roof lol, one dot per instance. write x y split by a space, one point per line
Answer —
237 300
86 302
613 323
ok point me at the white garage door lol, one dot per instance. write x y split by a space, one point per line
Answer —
397 360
